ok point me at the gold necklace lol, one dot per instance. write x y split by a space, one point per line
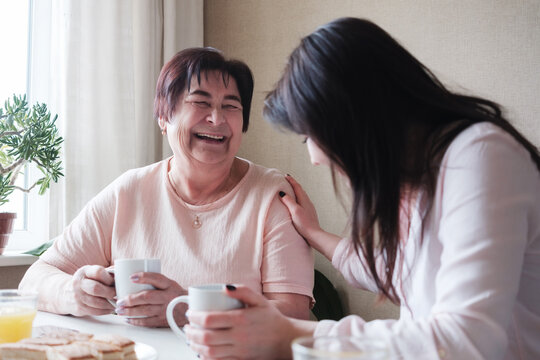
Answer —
196 223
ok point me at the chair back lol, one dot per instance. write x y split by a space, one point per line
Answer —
327 302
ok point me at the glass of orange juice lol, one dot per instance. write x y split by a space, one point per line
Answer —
17 312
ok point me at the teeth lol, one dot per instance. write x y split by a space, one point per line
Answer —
214 137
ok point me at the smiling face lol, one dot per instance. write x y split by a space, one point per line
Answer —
207 125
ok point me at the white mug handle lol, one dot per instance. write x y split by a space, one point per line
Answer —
170 316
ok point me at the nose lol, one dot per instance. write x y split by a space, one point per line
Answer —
216 116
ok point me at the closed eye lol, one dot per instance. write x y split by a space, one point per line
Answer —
201 104
230 107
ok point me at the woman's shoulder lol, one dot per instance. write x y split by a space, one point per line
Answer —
482 140
128 187
261 176
140 176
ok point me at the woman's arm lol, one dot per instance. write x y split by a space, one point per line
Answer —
291 305
306 221
70 276
83 293
287 261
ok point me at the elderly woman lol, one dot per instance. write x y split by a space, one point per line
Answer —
210 216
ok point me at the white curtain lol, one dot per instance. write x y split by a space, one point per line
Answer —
96 62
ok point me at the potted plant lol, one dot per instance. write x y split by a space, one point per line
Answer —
27 136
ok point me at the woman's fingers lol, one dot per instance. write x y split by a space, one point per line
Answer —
208 337
151 304
165 290
299 192
294 209
230 318
217 320
89 297
303 212
91 290
99 273
91 305
247 296
213 352
140 310
159 281
96 288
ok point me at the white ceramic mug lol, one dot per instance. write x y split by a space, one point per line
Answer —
124 268
209 297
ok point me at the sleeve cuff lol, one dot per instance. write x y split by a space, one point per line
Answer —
324 328
290 288
340 252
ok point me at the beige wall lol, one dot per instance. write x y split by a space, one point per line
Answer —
491 48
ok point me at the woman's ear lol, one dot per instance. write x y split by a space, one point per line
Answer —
162 125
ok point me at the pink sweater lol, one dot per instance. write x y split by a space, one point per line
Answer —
246 236
470 284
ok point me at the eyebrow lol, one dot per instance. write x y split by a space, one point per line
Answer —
207 94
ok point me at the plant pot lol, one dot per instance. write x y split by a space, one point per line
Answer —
6 228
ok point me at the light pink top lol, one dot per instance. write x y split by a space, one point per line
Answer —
246 236
470 287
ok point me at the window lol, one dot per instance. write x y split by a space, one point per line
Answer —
31 225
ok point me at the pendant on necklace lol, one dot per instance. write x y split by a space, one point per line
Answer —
196 223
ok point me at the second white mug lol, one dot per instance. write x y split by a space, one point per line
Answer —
209 297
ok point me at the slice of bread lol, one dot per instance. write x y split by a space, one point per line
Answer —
19 351
73 351
61 333
65 344
126 344
75 336
131 356
104 351
49 341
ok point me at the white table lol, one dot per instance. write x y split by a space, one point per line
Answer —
167 345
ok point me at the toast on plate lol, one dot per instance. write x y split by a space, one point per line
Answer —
17 351
127 345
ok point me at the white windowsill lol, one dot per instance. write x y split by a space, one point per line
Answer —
11 258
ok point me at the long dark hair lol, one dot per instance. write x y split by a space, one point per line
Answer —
382 117
176 75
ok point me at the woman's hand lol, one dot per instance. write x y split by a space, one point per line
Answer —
259 331
305 220
152 303
91 286
303 213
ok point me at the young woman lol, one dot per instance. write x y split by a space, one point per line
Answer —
445 207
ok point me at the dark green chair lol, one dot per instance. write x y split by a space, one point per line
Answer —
327 301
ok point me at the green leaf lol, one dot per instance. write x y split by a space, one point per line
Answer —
30 134
38 251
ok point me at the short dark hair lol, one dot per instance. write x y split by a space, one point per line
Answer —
177 73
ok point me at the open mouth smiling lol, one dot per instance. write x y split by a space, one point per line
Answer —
210 137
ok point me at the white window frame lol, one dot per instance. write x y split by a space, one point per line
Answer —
36 207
